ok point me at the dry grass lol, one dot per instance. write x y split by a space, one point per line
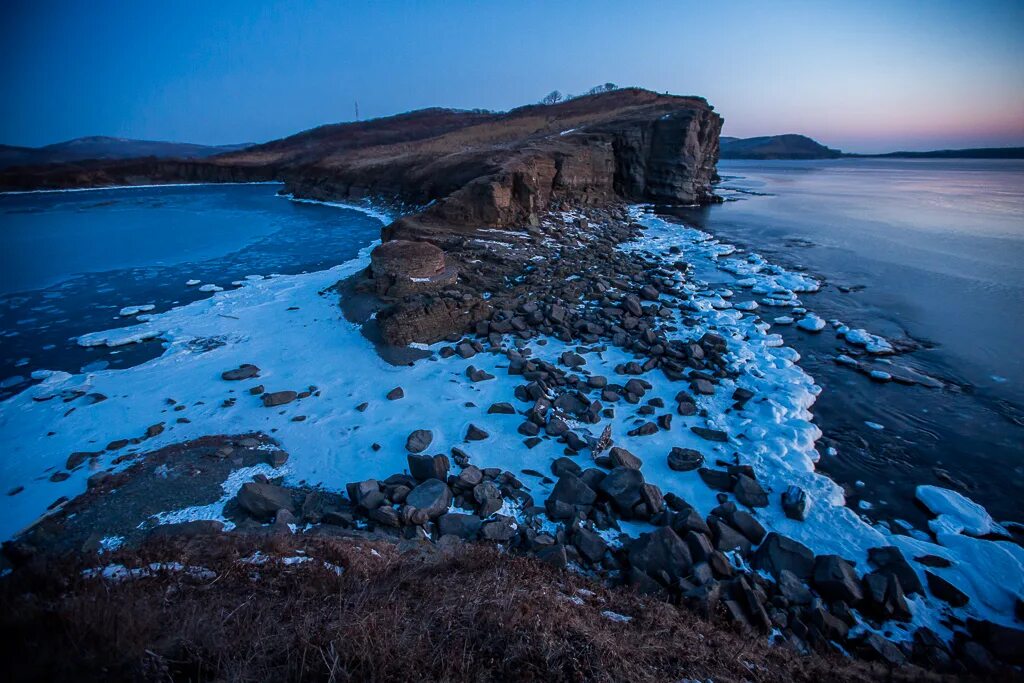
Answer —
466 614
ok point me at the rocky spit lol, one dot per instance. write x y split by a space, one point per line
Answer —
565 277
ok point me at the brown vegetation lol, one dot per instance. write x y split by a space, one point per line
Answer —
406 612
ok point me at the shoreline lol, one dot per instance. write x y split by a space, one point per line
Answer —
148 186
766 367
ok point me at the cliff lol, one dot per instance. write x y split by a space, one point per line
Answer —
470 170
478 168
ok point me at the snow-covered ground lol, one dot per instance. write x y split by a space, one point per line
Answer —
296 334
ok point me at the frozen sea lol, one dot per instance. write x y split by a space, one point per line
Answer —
925 250
71 261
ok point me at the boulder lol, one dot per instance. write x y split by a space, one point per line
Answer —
945 591
590 544
419 440
458 524
794 503
620 457
684 459
474 433
835 579
569 496
278 398
423 467
262 501
624 487
749 492
432 497
793 589
661 551
889 560
500 530
781 552
244 371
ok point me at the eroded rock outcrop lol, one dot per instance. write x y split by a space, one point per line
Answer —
403 267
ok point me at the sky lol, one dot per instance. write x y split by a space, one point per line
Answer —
864 76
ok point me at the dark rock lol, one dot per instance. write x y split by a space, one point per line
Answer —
562 465
590 544
244 371
835 579
554 555
874 646
385 515
793 589
623 486
474 433
396 394
262 501
716 479
458 524
646 429
781 552
501 409
501 530
469 477
423 467
278 398
620 457
727 538
684 459
419 440
977 658
747 525
568 496
945 591
433 497
889 560
710 434
794 503
661 551
749 492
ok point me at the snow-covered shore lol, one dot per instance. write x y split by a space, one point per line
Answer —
292 328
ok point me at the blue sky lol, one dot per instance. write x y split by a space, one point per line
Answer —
861 76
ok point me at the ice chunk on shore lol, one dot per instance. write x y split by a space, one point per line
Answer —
811 323
956 513
872 343
135 310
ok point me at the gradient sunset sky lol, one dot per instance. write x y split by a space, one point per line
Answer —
862 76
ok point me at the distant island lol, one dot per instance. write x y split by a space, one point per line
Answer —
790 146
973 153
102 147
793 146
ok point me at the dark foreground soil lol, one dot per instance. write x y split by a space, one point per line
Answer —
410 611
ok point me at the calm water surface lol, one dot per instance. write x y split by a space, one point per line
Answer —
929 251
69 261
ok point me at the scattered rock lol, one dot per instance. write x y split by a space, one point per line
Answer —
432 497
244 371
419 440
279 398
684 459
262 501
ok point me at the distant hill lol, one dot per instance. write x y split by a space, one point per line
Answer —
789 146
974 153
100 147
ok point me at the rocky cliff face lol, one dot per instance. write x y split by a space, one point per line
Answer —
470 170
